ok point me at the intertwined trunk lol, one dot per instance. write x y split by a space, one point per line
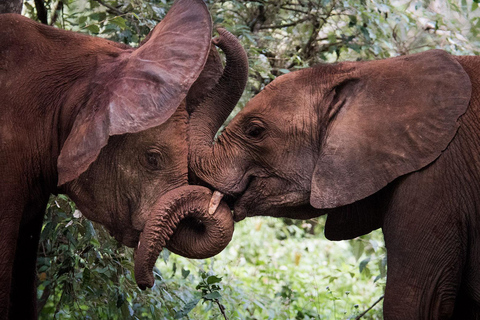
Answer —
181 221
207 160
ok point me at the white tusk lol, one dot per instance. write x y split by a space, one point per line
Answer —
214 202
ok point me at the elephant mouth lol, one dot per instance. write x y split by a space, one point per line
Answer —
125 230
128 237
258 200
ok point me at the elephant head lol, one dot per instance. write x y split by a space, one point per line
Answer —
124 162
332 135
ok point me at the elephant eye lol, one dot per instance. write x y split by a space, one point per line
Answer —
255 130
153 160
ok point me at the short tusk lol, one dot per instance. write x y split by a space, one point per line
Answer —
215 202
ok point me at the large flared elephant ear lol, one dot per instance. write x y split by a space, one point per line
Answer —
142 88
388 118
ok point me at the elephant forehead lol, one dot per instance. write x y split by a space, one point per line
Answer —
283 94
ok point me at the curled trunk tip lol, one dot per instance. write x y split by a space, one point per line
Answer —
180 221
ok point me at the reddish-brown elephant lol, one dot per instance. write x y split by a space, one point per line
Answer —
107 125
392 143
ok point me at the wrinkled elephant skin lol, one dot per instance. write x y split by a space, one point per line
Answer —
107 125
392 144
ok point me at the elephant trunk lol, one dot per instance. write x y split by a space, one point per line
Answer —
204 157
181 222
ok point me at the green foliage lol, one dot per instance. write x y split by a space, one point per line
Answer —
210 292
273 269
122 21
84 273
270 270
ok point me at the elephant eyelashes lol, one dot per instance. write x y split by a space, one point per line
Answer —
255 130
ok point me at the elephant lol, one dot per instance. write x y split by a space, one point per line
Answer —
106 124
391 144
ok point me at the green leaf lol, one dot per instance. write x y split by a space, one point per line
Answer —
93 28
185 273
212 295
474 5
363 264
102 270
358 248
119 21
186 308
95 16
82 19
213 279
165 254
353 20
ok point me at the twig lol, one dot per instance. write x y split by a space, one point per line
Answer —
293 9
58 7
44 298
222 308
285 25
373 305
113 9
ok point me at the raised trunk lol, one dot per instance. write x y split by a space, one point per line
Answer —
208 117
181 222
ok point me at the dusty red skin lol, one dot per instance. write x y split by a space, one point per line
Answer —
97 120
180 221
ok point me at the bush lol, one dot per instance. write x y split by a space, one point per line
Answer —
270 270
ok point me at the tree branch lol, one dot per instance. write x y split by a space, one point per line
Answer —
58 7
41 11
44 298
285 25
284 7
222 309
365 312
111 8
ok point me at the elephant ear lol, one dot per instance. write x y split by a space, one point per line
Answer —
142 88
388 118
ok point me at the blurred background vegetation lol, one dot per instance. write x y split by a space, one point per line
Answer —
273 268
